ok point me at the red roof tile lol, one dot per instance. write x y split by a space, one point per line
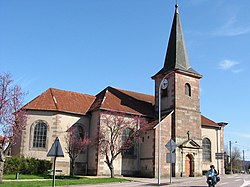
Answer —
124 101
208 122
61 100
109 99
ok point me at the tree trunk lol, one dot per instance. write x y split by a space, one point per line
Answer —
112 173
111 168
1 171
72 167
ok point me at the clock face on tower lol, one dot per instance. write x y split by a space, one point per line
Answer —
164 84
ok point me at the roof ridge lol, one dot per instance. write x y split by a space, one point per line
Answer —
53 98
99 98
72 92
131 91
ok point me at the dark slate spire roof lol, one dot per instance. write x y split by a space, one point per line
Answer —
176 56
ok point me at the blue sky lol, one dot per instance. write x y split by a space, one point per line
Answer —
85 46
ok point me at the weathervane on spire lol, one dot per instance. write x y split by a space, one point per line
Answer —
176 3
176 6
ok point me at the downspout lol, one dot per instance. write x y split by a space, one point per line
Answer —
138 152
89 123
182 162
217 138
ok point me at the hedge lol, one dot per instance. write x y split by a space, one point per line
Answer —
23 165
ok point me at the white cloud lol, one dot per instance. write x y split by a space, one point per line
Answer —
227 64
237 71
231 28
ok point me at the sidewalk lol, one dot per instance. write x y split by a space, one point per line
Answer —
146 182
175 181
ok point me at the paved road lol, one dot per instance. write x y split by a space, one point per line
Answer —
226 181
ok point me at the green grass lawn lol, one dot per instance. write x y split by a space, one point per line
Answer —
22 176
59 182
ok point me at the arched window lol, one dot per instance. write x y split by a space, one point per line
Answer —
128 142
206 149
80 131
77 131
188 89
40 134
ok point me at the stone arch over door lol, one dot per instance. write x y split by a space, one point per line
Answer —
189 165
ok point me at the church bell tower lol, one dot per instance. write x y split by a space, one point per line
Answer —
182 95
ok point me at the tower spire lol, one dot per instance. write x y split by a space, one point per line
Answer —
176 55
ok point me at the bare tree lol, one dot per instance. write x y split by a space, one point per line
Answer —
77 142
235 159
12 116
118 133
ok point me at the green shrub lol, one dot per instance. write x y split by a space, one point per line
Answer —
23 165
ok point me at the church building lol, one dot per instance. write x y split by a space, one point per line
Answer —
196 141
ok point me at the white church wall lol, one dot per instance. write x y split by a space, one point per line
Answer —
214 135
57 127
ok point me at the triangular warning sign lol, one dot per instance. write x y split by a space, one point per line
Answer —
56 149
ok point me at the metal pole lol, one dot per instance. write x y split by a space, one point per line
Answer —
159 129
230 143
170 179
217 139
159 137
244 169
54 172
138 150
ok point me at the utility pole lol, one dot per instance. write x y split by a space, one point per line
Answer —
243 164
231 163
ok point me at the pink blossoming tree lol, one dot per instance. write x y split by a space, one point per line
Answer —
12 116
77 142
117 134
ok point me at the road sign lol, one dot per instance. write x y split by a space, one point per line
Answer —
171 158
219 155
171 145
56 149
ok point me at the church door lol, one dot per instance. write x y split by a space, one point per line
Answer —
189 166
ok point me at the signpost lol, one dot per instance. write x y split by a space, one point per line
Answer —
219 156
171 158
171 146
55 151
